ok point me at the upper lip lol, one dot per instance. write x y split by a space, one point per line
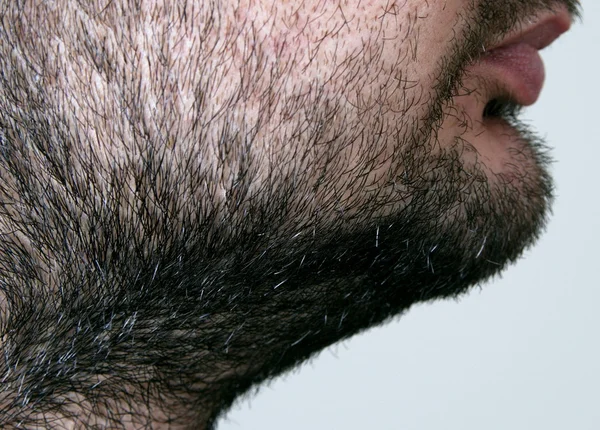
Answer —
544 30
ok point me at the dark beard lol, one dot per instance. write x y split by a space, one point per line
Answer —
180 305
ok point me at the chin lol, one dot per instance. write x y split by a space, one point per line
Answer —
491 138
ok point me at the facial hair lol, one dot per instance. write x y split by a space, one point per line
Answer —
132 280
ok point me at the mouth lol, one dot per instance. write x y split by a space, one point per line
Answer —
501 108
514 65
502 80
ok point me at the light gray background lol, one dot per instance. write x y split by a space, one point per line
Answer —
521 353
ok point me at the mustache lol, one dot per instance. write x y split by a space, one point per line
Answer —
498 18
493 10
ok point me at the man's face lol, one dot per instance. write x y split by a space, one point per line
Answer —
292 124
288 160
314 120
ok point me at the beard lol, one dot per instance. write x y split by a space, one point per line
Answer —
198 271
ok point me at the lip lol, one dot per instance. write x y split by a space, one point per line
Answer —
515 63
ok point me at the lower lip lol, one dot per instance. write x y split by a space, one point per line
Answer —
520 70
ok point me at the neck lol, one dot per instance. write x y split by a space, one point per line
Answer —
149 357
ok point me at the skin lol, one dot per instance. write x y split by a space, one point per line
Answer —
196 196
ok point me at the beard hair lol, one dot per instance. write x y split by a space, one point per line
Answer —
134 281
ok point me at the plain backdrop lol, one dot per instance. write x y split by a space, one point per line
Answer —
521 353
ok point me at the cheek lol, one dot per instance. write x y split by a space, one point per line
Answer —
375 63
374 52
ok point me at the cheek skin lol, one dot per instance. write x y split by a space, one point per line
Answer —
386 43
373 59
